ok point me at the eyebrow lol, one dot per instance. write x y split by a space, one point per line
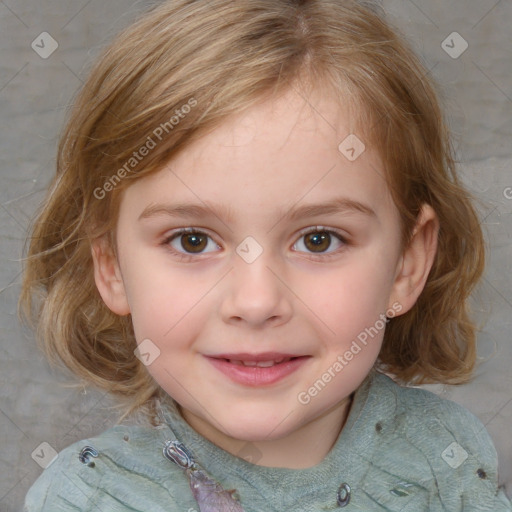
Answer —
190 210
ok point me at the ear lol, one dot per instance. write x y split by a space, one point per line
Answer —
108 278
416 260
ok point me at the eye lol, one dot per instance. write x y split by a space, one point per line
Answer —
191 240
319 239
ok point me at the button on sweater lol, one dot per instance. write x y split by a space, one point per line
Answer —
401 449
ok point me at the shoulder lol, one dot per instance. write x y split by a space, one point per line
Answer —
428 414
93 473
447 440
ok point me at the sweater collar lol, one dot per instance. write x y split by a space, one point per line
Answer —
356 440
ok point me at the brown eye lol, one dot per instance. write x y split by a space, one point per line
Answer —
190 242
318 241
324 242
193 242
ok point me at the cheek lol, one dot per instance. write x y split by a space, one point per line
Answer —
358 290
162 301
349 304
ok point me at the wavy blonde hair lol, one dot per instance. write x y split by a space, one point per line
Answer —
226 56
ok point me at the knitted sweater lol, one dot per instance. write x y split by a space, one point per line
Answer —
401 449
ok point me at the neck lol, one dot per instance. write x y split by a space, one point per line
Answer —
303 448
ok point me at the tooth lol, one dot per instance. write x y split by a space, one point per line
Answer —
265 364
262 364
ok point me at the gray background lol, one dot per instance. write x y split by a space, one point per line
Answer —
476 90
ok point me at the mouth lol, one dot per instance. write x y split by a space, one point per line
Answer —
260 364
262 360
257 369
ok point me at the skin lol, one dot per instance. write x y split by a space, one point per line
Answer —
278 155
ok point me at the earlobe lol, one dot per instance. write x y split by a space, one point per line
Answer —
417 260
108 278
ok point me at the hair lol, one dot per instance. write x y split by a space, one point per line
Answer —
221 57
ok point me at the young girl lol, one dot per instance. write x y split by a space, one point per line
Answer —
255 233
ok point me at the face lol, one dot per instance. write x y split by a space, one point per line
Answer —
262 241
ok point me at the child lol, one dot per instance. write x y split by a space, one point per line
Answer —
255 224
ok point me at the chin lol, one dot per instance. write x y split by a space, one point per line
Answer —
257 427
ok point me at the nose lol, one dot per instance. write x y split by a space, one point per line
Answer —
255 295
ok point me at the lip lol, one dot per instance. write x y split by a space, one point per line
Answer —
262 356
255 376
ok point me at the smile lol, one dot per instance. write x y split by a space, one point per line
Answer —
260 370
261 364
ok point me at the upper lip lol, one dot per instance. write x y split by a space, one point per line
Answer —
262 356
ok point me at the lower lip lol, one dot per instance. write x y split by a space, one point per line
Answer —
255 375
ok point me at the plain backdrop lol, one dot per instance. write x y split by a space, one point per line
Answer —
476 91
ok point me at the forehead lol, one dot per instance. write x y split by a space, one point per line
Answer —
280 152
280 123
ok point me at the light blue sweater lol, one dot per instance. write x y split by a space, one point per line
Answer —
401 449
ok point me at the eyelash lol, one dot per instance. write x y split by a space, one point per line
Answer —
316 229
